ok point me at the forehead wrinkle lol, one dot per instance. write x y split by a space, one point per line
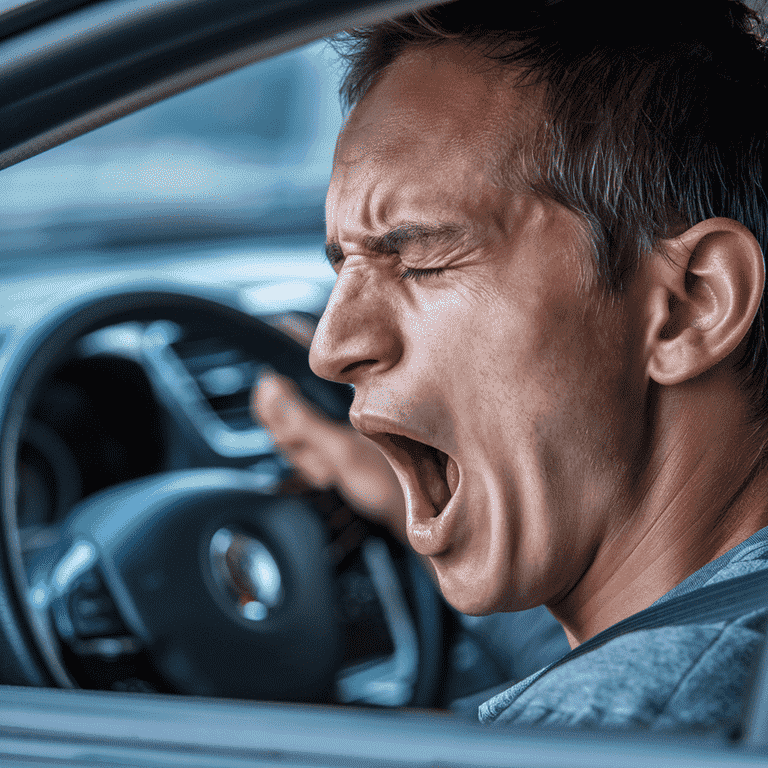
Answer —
489 132
350 211
381 139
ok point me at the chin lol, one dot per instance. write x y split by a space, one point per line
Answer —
466 597
473 597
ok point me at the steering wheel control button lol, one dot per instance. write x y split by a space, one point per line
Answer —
91 609
246 574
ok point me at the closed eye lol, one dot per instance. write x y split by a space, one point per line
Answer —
411 273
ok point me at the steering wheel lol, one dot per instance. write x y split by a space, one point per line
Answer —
198 581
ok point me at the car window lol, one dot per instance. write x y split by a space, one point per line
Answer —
243 159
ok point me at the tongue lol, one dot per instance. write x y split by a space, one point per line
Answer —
440 485
438 491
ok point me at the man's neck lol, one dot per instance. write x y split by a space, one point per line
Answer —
703 491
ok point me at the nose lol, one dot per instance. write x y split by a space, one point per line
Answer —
358 335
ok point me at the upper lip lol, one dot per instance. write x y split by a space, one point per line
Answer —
380 428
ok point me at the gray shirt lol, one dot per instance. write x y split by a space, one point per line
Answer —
691 677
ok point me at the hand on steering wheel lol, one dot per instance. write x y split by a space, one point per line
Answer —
328 454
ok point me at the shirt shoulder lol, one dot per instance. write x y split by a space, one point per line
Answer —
673 677
690 676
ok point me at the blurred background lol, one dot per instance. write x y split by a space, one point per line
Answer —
235 168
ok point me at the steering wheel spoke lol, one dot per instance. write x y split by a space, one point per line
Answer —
83 608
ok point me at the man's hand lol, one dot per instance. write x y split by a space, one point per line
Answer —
327 454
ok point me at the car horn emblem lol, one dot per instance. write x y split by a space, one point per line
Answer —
247 574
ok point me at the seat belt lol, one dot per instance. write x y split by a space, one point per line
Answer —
709 604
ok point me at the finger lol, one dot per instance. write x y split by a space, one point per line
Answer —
278 405
297 432
309 465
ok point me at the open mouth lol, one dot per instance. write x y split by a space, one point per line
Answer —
436 473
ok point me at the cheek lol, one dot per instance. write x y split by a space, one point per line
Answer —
560 372
442 340
594 423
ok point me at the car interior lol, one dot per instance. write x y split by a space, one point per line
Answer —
170 593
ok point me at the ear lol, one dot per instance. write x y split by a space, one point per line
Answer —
702 298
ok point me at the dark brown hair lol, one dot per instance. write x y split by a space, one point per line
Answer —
653 120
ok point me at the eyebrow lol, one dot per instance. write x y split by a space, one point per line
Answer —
393 241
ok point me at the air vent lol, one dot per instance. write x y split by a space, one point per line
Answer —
225 375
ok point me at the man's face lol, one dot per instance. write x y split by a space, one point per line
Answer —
502 358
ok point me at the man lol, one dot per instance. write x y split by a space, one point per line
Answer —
550 301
